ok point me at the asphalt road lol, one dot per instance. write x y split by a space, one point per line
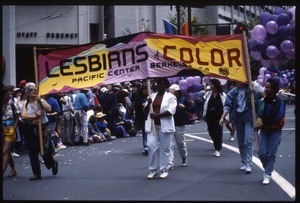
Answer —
117 170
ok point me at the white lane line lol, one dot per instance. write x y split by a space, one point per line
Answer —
276 177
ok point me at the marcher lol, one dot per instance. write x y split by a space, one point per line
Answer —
35 108
164 107
213 110
238 104
271 113
228 121
9 124
180 118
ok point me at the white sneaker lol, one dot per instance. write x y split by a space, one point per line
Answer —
231 138
152 174
163 175
248 170
243 168
217 153
266 180
184 162
169 167
15 154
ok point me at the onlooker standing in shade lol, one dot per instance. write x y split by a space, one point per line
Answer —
213 110
271 113
238 103
180 118
81 107
35 108
164 107
68 121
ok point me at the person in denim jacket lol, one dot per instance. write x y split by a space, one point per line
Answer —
238 103
271 113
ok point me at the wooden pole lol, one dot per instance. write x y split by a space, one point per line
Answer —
40 119
248 71
151 106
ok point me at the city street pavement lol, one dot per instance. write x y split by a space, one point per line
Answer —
117 170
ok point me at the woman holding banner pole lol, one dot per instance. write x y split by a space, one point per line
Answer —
160 135
35 108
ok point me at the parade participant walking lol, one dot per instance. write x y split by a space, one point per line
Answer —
35 108
180 118
9 124
164 107
213 110
238 104
271 113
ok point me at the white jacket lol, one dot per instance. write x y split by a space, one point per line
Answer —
207 97
169 103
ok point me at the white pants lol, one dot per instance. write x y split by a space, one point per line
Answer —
178 138
159 149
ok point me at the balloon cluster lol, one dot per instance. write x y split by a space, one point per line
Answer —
273 40
285 76
188 85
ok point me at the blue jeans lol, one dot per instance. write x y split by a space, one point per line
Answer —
268 144
245 136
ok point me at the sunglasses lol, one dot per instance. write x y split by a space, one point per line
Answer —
32 90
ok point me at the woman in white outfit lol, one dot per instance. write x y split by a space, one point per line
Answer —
164 107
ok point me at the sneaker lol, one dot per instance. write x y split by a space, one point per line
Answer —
217 153
152 174
15 154
145 152
243 168
163 175
231 138
169 167
266 180
184 162
248 170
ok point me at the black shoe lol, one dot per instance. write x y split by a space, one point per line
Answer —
145 152
35 177
55 168
86 144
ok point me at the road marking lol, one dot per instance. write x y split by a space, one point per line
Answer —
276 177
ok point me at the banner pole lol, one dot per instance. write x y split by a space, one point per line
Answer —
151 106
40 119
248 70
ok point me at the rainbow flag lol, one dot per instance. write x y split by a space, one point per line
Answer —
169 27
185 29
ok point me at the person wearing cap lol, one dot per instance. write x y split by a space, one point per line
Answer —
102 126
213 110
180 117
164 107
81 107
35 108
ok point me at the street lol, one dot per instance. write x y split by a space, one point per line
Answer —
117 170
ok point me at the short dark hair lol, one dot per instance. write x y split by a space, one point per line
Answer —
163 81
274 82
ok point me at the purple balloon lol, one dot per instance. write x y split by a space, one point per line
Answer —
190 81
286 46
293 21
251 45
262 70
274 17
274 41
260 81
197 79
183 84
206 79
264 18
256 55
259 32
272 27
284 32
272 51
260 46
278 11
283 19
290 55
